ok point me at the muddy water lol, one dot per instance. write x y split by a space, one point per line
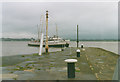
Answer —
107 45
10 48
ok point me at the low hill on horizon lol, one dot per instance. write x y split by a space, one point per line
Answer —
29 39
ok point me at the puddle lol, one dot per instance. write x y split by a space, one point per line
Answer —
61 70
98 59
84 63
52 62
19 72
91 56
103 56
101 62
30 61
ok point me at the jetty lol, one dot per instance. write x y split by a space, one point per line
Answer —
93 64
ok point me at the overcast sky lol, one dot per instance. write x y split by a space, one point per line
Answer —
96 20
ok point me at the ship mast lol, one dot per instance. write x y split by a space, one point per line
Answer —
56 31
38 32
46 46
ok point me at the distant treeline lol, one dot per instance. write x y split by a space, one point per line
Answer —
15 39
29 39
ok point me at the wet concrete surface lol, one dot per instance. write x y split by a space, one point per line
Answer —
93 64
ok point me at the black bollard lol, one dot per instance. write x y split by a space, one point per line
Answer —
81 45
78 52
71 67
62 49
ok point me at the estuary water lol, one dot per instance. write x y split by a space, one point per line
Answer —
10 48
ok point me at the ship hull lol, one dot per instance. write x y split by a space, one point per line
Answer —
50 45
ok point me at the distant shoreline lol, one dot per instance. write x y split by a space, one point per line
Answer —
28 39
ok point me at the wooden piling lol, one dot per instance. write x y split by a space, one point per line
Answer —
46 46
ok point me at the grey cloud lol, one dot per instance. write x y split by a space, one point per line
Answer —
95 19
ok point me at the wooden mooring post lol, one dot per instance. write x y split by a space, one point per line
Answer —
46 46
77 37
